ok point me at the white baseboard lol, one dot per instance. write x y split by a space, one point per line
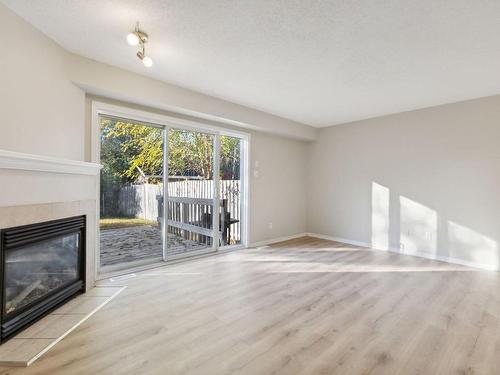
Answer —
440 258
339 239
451 260
278 239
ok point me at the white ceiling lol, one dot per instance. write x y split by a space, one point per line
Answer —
316 62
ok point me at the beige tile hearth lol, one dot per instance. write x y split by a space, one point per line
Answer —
34 341
81 305
19 352
50 327
101 291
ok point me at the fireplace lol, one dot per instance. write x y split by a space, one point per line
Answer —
42 266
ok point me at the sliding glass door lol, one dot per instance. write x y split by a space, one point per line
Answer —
167 193
191 202
230 190
131 193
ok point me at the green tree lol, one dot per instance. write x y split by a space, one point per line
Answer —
125 147
190 154
230 158
128 148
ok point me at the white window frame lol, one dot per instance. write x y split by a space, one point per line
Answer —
168 122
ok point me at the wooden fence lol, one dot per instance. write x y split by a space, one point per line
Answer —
193 195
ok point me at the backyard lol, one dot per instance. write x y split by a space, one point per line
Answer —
124 222
126 240
132 192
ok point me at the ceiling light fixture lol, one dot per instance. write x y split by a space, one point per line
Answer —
132 39
140 37
146 60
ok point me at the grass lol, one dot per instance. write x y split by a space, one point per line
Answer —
124 222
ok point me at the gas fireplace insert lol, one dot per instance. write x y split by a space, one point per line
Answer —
42 266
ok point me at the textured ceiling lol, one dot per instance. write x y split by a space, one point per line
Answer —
316 62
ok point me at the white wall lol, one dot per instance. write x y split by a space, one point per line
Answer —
278 193
41 111
426 182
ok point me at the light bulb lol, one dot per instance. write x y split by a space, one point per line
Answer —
147 61
132 39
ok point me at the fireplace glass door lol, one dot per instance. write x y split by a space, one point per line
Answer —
42 265
33 271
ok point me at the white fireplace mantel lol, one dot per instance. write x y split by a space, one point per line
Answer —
30 162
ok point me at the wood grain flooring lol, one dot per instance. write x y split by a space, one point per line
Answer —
305 306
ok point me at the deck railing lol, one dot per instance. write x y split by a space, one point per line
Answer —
189 208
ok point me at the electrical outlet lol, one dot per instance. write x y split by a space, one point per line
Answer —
270 225
256 174
401 246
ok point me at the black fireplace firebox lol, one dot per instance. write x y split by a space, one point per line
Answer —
42 266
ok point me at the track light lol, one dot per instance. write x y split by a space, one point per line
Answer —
140 37
132 39
146 60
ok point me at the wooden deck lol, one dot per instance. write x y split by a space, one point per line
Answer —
306 306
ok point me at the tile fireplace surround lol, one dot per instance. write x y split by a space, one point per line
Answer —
30 214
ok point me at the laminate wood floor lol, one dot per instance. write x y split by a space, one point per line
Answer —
306 306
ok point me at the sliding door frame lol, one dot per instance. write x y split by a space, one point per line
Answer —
102 109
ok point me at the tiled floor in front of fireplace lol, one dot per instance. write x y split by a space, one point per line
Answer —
31 343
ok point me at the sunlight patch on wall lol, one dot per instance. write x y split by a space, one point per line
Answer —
467 244
380 216
418 228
